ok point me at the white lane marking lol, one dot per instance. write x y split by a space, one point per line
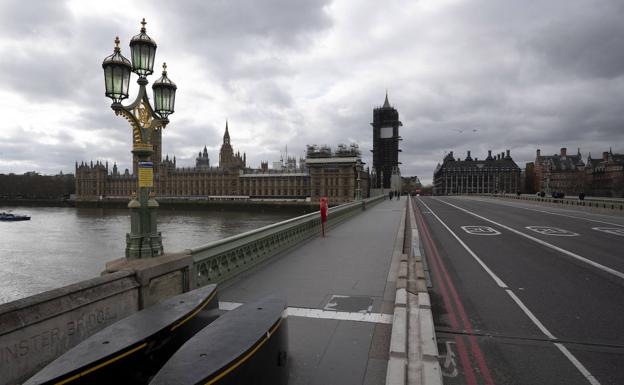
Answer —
498 281
597 265
592 380
530 314
610 230
340 315
509 204
480 230
554 231
590 377
228 305
379 318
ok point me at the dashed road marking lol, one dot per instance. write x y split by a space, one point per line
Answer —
480 230
611 230
555 231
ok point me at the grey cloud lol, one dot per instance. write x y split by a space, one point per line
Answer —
234 38
282 22
587 42
21 19
523 74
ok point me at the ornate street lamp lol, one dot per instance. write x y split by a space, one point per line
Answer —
164 94
116 74
144 240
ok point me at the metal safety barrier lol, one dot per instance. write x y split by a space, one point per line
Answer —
607 204
226 258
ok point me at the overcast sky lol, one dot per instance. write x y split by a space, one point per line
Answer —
464 75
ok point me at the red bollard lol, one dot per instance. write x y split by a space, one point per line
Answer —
323 203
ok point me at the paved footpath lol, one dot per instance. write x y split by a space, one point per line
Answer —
329 282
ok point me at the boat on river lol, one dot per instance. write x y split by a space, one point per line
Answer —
9 217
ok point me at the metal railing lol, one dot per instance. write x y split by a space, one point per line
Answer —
226 258
605 203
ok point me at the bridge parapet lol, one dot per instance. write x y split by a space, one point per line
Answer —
612 206
226 258
37 329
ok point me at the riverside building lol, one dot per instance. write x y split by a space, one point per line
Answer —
494 174
338 174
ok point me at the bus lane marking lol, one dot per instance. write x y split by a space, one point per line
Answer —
554 231
610 230
588 261
573 360
480 230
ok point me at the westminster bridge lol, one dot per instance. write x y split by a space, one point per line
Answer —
465 289
347 300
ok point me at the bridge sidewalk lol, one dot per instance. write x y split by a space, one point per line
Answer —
347 271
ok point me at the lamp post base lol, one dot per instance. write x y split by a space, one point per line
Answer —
143 246
144 240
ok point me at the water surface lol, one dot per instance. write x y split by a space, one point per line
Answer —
60 245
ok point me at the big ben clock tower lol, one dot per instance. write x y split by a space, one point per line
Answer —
386 139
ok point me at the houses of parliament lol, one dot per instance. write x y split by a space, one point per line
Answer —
337 174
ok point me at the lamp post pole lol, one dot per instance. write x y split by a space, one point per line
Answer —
143 240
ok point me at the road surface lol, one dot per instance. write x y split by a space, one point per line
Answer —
524 294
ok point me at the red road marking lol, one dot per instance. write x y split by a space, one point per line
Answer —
439 267
469 375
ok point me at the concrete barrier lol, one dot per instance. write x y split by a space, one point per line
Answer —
37 329
413 346
158 278
422 344
396 373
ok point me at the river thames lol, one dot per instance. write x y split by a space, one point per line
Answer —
60 246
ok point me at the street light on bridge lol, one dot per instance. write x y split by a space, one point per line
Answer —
144 240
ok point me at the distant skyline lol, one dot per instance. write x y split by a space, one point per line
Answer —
464 75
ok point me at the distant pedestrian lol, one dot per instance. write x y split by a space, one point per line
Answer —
398 195
323 210
391 194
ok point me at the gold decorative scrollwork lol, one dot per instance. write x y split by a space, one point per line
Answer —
143 115
136 129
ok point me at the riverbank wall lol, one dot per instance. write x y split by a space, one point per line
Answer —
301 207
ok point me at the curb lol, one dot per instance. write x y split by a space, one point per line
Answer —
413 346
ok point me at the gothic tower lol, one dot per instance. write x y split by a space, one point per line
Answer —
386 139
226 154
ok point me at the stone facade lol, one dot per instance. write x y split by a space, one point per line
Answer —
605 176
335 173
557 173
95 181
569 174
494 174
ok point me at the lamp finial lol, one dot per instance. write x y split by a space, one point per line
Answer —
117 41
164 68
143 22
